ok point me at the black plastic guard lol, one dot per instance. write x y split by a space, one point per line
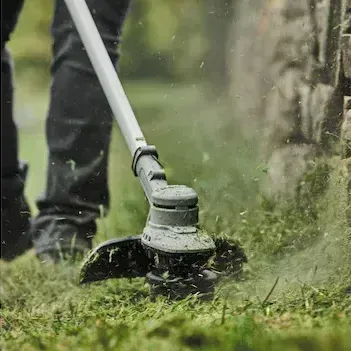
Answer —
116 258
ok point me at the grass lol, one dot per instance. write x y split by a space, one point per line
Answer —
304 249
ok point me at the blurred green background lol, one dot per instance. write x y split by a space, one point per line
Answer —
174 69
164 40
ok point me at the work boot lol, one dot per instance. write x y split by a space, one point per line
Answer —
15 216
60 238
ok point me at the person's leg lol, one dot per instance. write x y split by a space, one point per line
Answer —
15 212
78 131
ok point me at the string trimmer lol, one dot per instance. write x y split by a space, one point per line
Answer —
173 253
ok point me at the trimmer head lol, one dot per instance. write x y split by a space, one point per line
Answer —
175 256
178 249
172 237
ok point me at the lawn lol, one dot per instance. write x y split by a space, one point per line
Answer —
293 295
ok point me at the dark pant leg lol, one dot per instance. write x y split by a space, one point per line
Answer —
15 212
9 145
78 129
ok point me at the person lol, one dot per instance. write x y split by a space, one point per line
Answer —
78 132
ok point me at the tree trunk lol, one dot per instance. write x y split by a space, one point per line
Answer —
287 83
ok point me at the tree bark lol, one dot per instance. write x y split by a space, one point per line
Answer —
287 84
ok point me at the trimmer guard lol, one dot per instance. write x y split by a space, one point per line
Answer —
116 258
127 258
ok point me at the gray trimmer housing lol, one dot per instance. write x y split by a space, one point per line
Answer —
173 222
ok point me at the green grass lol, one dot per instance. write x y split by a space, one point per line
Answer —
306 249
45 310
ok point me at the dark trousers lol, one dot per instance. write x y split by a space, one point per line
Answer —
79 120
